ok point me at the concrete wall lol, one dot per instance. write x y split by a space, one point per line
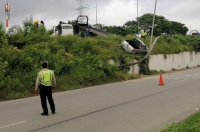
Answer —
134 69
171 61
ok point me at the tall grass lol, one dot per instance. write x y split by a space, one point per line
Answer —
171 45
192 124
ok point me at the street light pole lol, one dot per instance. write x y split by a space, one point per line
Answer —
96 11
137 16
153 25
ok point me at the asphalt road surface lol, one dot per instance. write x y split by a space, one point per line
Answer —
130 106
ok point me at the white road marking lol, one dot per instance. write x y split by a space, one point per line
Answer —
189 76
193 75
176 82
13 124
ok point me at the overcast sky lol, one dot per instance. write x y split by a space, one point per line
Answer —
109 12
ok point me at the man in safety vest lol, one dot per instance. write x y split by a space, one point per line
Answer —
46 81
143 34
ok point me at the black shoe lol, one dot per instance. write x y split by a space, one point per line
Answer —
53 112
44 114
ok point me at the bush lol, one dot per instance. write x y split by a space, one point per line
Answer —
172 45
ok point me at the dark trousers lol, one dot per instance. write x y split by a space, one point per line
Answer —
46 93
59 32
142 37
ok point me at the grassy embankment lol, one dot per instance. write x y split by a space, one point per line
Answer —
77 62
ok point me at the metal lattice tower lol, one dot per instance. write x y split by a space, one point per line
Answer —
80 7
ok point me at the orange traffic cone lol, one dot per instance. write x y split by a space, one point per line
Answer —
161 83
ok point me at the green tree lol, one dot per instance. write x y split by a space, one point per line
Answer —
73 22
3 39
129 24
162 25
178 28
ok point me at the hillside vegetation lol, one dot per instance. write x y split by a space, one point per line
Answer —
77 62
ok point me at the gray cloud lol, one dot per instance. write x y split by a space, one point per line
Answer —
110 12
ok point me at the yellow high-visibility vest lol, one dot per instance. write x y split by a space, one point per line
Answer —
46 77
143 33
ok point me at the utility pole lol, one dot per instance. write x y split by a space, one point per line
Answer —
153 25
137 16
96 13
7 14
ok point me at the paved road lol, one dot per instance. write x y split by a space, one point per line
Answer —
130 106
